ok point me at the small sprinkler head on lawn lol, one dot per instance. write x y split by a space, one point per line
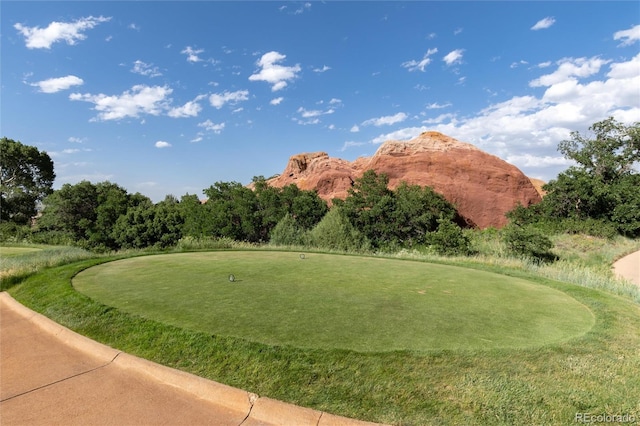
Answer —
301 255
232 277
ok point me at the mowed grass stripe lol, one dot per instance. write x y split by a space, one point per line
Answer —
330 301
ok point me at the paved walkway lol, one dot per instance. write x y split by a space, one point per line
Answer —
51 375
629 267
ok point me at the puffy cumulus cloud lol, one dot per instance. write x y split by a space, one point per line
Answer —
141 99
210 126
54 85
568 68
71 32
544 23
273 73
453 57
162 144
354 129
386 120
415 65
525 130
190 109
629 36
218 100
276 101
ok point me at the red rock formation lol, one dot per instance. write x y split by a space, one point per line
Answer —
482 186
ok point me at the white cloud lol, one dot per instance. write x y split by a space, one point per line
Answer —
528 160
386 120
210 126
629 36
276 101
273 73
536 124
323 69
218 100
335 101
355 129
453 57
420 65
71 32
349 144
303 8
569 68
313 113
544 23
54 85
192 54
517 64
145 69
74 139
457 31
162 144
141 99
436 105
190 109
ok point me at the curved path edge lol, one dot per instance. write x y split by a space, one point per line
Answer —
249 408
628 267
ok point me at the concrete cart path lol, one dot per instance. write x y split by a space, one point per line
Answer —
629 267
51 375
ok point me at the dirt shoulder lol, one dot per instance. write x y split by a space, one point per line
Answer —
628 267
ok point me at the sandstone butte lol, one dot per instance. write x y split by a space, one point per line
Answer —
482 186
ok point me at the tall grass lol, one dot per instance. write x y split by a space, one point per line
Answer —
15 268
582 260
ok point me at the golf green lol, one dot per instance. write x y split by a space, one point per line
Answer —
331 301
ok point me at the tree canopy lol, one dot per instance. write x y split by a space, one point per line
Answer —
26 177
601 187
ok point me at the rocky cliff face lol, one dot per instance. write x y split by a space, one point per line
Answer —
482 186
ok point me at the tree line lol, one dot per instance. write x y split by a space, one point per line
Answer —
599 195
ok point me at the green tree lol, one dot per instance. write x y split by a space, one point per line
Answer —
603 183
369 207
71 210
26 177
335 232
194 214
418 211
449 239
86 213
233 211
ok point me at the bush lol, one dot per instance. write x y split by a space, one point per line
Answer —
449 239
335 232
528 242
287 232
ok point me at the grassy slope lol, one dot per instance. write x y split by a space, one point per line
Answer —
597 373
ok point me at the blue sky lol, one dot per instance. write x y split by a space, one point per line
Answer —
170 97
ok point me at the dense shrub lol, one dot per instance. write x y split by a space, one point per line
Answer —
335 232
288 233
528 242
449 239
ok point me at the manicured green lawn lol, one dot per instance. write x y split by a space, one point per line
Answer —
330 301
